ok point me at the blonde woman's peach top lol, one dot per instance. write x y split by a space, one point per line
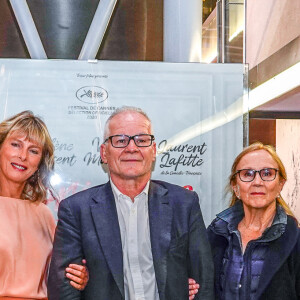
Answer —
26 237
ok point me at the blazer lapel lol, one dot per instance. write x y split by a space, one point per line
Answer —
105 217
160 221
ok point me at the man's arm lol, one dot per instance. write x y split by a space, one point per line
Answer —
66 249
200 258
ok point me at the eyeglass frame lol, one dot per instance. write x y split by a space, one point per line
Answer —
256 171
131 137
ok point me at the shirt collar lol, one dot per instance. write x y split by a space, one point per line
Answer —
118 194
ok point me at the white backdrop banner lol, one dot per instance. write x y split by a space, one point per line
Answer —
196 110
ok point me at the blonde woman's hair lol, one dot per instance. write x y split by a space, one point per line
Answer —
282 173
26 123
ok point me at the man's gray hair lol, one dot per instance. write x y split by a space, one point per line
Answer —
123 109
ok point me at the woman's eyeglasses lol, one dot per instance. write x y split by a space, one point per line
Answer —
248 175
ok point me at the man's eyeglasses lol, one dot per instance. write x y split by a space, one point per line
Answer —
248 175
123 140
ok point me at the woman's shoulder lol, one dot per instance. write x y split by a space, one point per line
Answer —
292 233
43 208
44 212
293 224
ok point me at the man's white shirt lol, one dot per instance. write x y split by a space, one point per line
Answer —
138 268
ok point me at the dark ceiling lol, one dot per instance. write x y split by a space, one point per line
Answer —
63 25
135 31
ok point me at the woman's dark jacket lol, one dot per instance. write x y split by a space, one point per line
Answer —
280 277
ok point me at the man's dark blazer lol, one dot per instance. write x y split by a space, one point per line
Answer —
88 228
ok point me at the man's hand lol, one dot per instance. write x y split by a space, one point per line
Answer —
193 288
78 275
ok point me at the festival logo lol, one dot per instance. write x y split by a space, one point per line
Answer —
91 94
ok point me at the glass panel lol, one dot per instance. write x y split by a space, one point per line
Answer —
233 27
196 110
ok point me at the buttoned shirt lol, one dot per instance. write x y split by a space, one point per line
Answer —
138 268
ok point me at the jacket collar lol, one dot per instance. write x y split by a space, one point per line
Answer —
228 220
231 216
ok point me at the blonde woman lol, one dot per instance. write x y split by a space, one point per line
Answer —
27 225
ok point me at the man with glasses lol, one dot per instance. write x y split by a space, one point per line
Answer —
142 238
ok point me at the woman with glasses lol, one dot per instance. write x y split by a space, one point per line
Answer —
256 242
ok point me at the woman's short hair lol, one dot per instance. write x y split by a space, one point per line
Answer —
282 173
26 123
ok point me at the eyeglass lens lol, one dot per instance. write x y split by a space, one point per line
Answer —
122 141
267 174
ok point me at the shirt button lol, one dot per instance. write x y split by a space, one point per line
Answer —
133 211
239 286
